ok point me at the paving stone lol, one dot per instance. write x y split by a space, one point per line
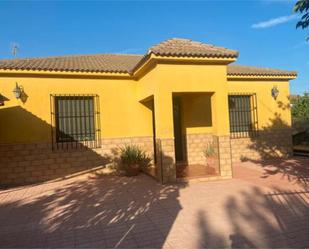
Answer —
108 212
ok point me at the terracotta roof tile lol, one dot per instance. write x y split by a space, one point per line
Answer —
186 47
257 71
123 63
114 63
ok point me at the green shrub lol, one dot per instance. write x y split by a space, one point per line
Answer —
300 107
133 159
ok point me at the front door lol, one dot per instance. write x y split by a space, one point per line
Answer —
178 130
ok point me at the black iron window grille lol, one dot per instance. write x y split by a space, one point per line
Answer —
75 121
243 115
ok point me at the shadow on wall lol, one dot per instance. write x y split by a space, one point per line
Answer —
19 125
273 141
31 162
283 106
165 168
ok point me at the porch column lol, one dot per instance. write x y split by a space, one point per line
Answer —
163 108
221 126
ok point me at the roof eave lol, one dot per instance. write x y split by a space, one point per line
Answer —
193 58
261 77
152 58
62 73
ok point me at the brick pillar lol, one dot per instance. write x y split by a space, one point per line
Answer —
225 160
166 167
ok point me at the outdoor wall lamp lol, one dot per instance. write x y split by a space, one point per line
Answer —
18 90
274 92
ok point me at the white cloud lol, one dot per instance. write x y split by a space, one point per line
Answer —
274 22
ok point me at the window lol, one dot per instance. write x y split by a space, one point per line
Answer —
75 120
243 115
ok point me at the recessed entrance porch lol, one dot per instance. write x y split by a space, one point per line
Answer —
186 136
196 153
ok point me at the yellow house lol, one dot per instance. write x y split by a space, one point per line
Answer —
184 102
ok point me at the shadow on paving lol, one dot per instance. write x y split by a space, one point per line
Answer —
113 212
277 219
294 169
120 212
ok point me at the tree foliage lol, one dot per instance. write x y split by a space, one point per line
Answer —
302 7
300 106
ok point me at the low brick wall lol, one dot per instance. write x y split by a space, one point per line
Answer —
268 144
36 162
166 168
31 163
196 145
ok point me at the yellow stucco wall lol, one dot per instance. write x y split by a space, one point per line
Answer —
196 113
271 113
164 80
123 114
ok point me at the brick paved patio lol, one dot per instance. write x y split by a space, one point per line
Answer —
110 212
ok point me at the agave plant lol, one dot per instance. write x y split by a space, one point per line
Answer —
133 159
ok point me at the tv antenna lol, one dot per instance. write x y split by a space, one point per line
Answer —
15 49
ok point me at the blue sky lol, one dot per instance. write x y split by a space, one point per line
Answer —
263 31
